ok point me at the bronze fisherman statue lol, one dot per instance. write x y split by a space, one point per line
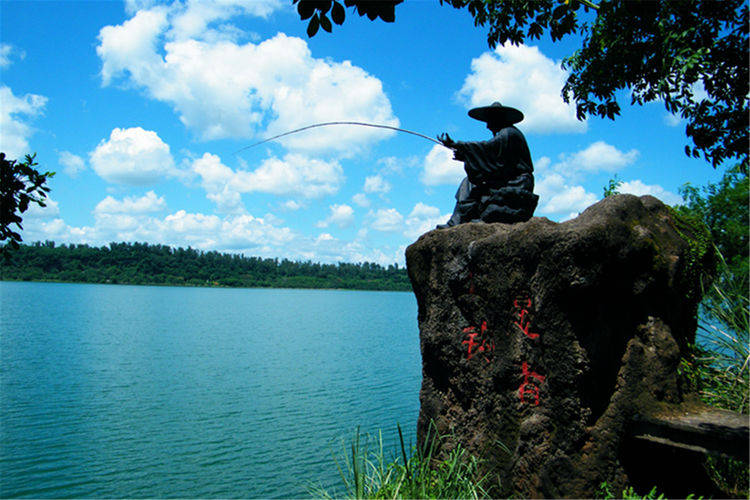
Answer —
499 185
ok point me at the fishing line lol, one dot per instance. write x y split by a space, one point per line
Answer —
325 124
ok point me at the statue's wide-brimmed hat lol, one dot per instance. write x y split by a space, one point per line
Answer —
496 112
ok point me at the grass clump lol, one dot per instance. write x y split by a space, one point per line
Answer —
367 473
605 492
718 366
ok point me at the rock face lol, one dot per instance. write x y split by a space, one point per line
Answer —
541 341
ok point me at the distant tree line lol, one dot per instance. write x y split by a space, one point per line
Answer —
145 264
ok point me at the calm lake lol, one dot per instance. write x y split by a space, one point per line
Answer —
135 391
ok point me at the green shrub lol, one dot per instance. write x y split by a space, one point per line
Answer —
368 474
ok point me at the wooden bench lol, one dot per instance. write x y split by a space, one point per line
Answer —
708 431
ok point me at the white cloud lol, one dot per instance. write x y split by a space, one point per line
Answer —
5 51
42 229
341 216
376 184
294 174
131 46
558 197
72 164
524 78
223 89
291 205
387 220
49 211
216 180
193 18
441 168
561 195
598 157
542 164
423 218
361 200
245 231
638 188
394 165
147 203
16 131
132 156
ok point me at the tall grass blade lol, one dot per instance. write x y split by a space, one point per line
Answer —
403 451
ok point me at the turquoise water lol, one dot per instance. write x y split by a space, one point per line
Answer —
125 391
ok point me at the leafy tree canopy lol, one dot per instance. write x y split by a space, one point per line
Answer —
723 208
689 54
20 185
142 263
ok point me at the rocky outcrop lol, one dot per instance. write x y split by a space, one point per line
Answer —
541 341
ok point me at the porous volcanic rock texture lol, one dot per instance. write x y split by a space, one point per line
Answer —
541 340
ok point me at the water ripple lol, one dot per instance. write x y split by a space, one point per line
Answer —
138 392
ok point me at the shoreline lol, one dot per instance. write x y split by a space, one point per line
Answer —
208 286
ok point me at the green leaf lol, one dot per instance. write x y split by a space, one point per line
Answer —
388 13
338 14
325 23
559 11
305 9
312 28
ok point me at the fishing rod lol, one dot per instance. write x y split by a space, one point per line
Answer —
325 124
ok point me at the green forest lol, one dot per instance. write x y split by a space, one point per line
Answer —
145 264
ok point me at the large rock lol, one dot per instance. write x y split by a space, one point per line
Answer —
541 341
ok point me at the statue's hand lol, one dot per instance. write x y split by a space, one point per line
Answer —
446 140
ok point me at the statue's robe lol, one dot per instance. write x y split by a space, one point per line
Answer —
499 185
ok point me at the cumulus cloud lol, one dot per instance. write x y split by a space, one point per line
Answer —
361 200
147 203
49 211
558 183
423 218
223 89
235 233
638 188
387 220
7 53
72 164
560 198
180 228
15 114
598 157
376 184
340 215
294 174
5 50
291 205
132 156
522 77
193 18
439 167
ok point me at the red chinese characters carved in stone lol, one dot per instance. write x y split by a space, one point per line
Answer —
477 343
529 387
522 309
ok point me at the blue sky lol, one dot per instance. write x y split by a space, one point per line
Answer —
140 107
